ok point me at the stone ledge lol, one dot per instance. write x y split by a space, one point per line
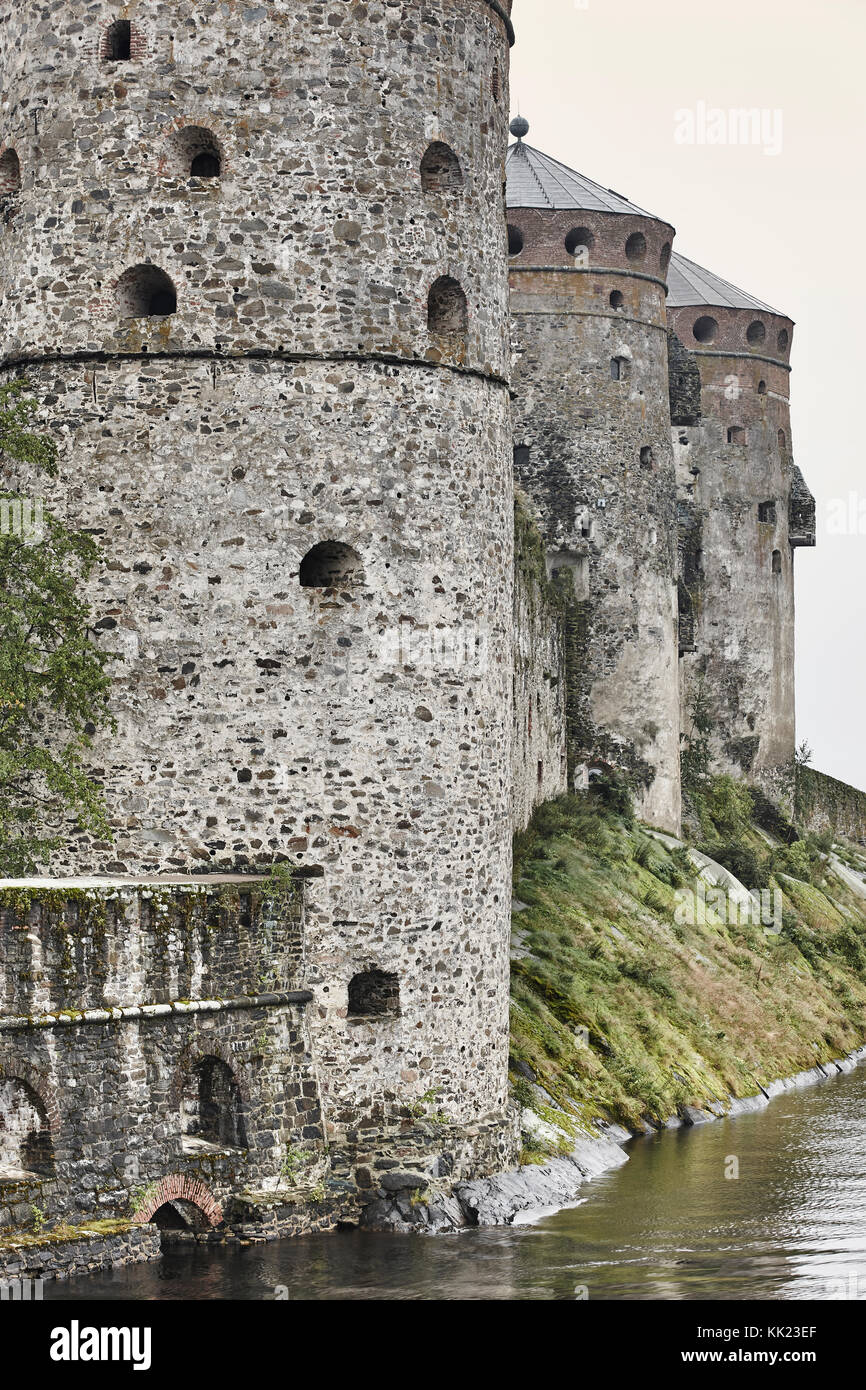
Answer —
85 1250
179 1008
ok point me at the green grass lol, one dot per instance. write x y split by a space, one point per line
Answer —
675 1014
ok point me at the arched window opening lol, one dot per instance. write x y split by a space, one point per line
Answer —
777 562
756 333
783 339
635 247
330 565
25 1134
617 299
705 328
211 1109
665 256
783 441
10 174
117 43
580 241
440 169
515 240
762 388
194 153
145 291
374 994
447 309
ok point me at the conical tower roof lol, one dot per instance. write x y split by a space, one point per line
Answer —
689 285
537 181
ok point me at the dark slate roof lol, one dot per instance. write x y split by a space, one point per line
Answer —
537 181
691 285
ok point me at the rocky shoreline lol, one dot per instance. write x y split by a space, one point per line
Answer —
533 1191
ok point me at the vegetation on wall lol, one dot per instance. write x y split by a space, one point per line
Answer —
53 679
825 802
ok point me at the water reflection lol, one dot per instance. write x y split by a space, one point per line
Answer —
673 1223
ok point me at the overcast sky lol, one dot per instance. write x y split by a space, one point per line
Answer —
601 82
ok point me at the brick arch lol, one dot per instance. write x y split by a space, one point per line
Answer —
18 1068
180 1187
194 120
196 1052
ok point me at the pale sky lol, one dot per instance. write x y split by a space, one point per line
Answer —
600 82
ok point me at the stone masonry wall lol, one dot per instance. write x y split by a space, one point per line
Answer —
304 393
735 475
540 753
114 1001
593 454
824 803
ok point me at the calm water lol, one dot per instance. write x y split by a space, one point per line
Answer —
667 1225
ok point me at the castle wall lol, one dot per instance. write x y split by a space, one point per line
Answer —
305 392
593 454
736 474
824 803
540 747
103 1033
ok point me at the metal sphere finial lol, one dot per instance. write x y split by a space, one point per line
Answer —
519 127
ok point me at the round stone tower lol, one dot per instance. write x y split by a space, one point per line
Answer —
253 263
744 507
593 452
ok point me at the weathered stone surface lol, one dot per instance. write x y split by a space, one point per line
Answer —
592 451
276 364
740 491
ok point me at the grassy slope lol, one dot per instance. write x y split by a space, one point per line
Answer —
676 1014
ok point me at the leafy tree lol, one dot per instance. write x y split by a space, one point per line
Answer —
803 755
53 681
695 752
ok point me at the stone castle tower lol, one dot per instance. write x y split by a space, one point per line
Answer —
255 266
744 508
592 451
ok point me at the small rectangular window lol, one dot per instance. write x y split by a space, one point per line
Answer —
736 435
767 513
521 455
118 42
